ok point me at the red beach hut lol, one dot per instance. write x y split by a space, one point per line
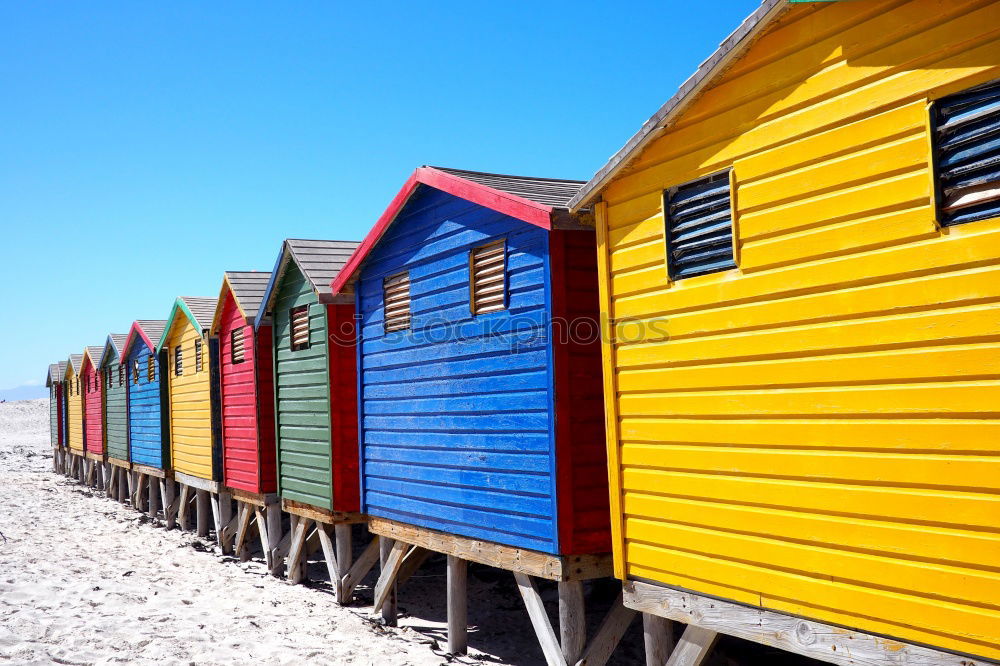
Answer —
247 408
92 389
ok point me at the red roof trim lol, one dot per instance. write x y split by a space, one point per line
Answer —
517 207
131 335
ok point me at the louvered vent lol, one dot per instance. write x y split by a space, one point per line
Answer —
178 361
396 299
699 227
236 345
121 376
198 364
299 319
967 139
135 371
488 278
150 369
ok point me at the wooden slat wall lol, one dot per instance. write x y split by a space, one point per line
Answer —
239 403
74 413
115 415
817 432
457 423
93 408
54 414
581 455
266 445
303 398
145 423
190 404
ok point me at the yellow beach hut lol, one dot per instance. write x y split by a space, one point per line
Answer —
74 414
800 273
192 380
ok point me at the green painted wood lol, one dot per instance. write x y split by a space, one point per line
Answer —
302 398
115 413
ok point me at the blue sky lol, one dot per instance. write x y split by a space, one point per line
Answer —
147 147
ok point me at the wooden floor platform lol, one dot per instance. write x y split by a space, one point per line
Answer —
404 548
706 618
256 513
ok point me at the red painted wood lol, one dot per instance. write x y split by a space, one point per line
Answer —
247 431
342 350
93 408
503 202
266 444
581 456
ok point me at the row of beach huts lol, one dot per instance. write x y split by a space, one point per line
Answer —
750 369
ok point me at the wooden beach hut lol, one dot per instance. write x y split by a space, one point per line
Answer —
74 415
800 267
192 393
115 375
482 433
315 403
246 371
93 415
148 458
57 412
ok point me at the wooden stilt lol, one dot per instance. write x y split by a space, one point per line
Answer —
139 491
244 514
391 558
170 502
614 626
362 566
458 618
695 645
658 638
225 503
539 620
201 514
274 536
263 529
572 622
296 557
122 484
154 497
330 556
183 505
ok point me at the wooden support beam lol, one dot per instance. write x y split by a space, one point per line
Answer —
244 514
345 550
361 566
539 620
411 564
215 504
225 518
183 504
609 635
154 497
201 515
296 558
391 555
695 645
330 556
263 529
658 639
458 600
572 621
170 501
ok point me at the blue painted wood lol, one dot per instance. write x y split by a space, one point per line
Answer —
456 414
147 444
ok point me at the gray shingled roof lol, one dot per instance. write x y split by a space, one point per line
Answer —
76 360
320 260
57 372
153 328
117 340
203 309
249 288
96 354
546 191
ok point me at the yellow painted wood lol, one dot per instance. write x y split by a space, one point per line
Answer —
818 430
190 403
74 412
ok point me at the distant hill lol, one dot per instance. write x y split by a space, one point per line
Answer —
23 393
